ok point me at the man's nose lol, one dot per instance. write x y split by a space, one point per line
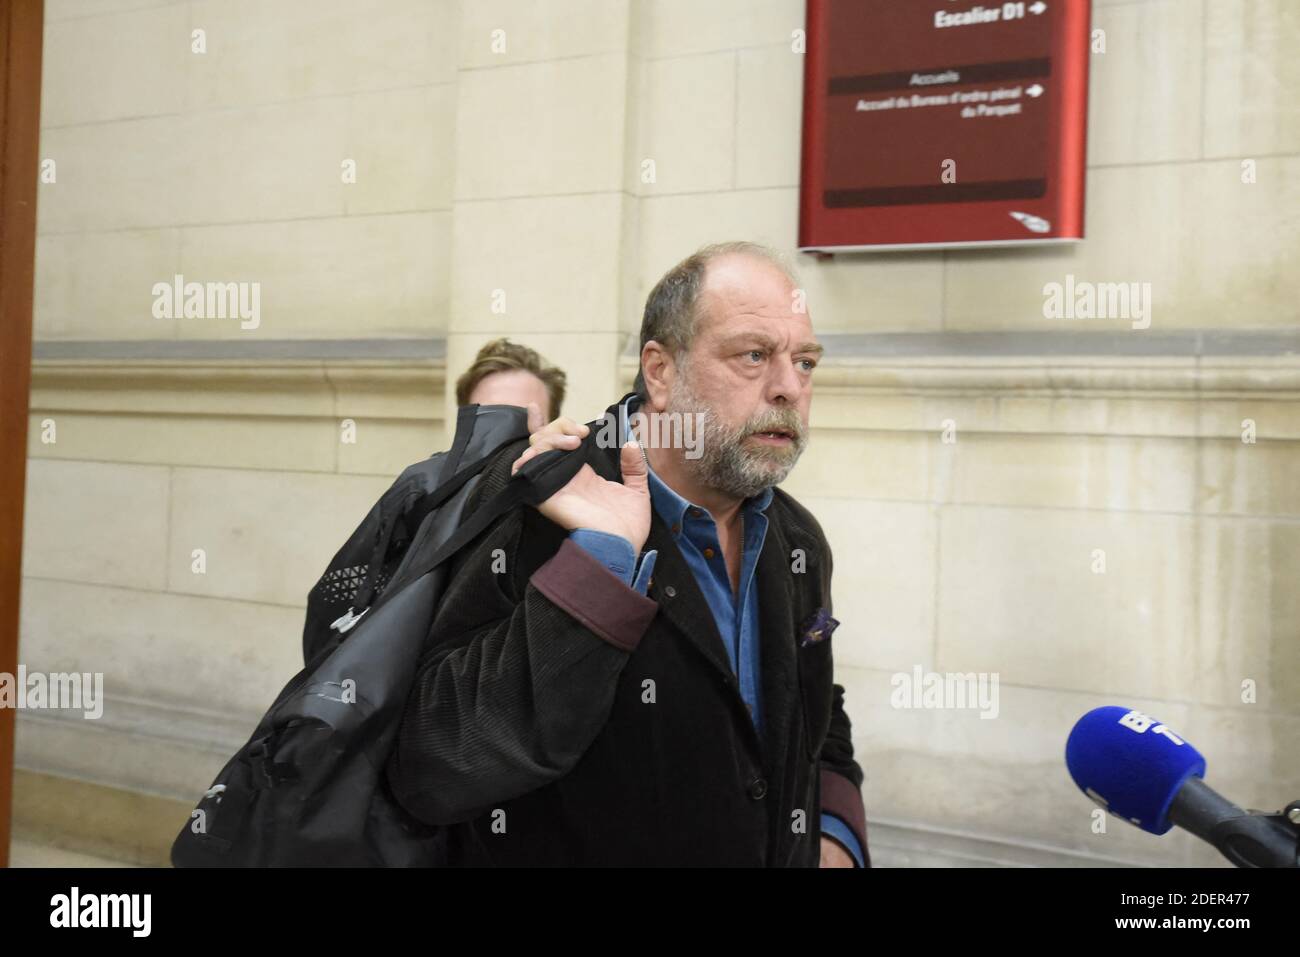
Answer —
784 385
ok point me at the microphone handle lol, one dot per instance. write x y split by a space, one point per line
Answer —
1248 840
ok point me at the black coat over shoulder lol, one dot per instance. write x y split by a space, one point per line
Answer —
559 718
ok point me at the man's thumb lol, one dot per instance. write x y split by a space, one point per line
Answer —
632 463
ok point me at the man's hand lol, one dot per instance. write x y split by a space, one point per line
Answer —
834 855
589 501
560 433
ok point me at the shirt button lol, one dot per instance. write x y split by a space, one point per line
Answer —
670 591
676 529
758 789
708 553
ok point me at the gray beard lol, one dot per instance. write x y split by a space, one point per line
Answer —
727 464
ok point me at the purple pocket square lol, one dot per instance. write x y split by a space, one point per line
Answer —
818 628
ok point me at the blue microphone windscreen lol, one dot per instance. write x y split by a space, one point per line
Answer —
1130 764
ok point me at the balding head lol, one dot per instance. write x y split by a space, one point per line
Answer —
675 305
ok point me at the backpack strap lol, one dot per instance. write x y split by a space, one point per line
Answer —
538 479
465 416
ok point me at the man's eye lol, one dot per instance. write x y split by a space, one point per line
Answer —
808 364
754 354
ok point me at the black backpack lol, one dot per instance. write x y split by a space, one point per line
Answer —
309 788
360 571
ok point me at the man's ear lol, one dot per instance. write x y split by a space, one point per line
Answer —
657 371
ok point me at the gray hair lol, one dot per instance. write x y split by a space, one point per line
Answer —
672 310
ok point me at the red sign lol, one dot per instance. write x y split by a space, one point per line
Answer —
941 123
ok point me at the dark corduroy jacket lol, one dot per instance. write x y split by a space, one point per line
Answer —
560 718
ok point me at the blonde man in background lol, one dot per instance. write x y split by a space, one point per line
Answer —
506 373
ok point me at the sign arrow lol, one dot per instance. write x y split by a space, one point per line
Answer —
1035 90
1037 8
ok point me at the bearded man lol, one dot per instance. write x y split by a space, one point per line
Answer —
638 671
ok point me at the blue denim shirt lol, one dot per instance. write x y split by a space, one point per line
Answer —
735 613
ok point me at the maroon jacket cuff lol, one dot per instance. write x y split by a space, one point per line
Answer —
580 584
841 798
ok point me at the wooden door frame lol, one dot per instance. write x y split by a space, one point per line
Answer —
21 26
